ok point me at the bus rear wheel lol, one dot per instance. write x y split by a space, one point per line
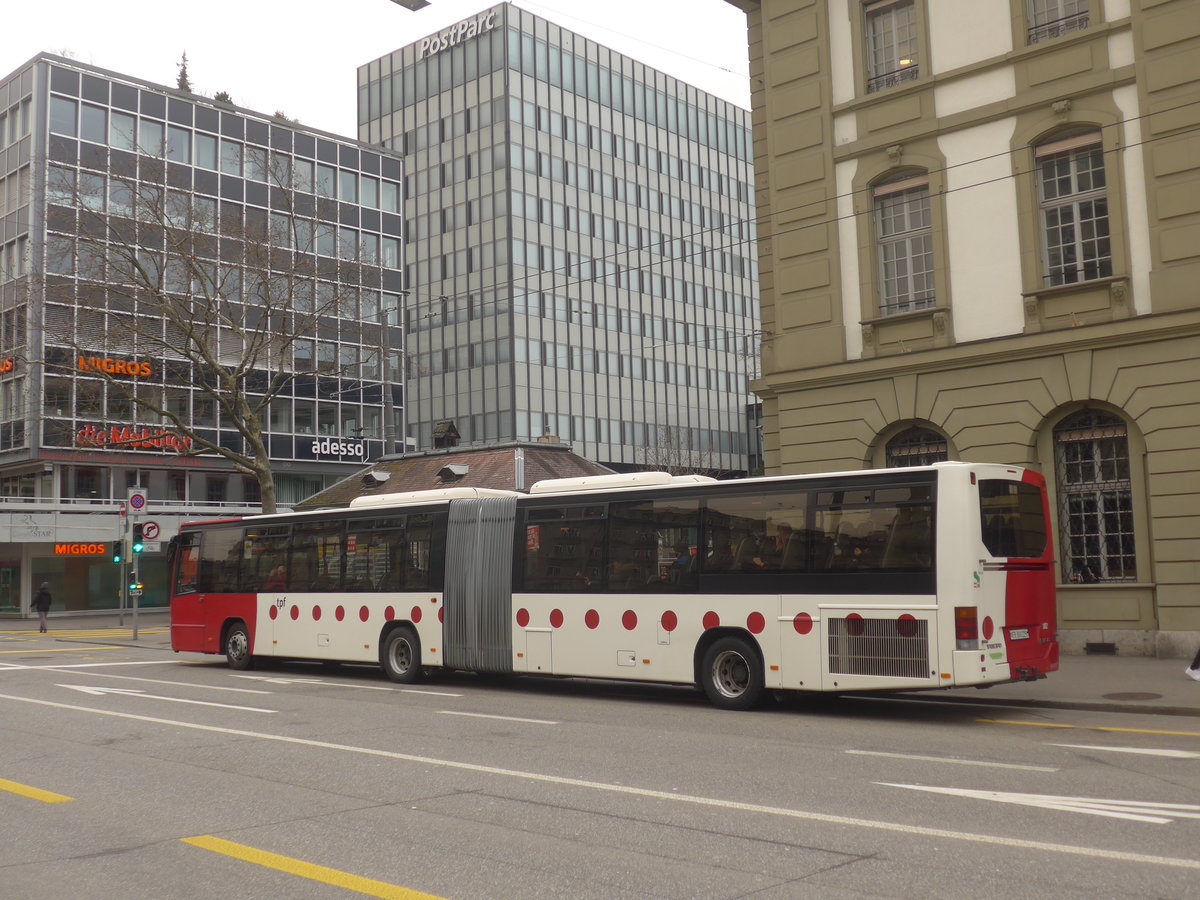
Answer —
237 647
401 656
731 674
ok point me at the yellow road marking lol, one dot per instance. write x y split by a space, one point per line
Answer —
1090 727
33 793
61 649
86 632
311 871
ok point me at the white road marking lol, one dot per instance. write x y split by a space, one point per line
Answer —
666 796
1146 751
1134 810
447 712
95 665
957 762
362 687
134 692
188 684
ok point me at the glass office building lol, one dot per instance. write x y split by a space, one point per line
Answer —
580 246
101 174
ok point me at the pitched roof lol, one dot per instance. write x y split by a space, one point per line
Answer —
488 467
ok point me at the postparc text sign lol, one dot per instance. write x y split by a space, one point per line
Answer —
125 437
90 549
456 34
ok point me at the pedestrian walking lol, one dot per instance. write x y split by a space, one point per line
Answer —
1193 671
41 602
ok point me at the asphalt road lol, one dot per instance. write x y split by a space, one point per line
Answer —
133 772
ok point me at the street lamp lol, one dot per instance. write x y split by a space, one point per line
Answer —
414 5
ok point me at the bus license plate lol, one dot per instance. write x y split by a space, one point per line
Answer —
1019 634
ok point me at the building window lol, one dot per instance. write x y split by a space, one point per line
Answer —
1095 500
905 235
891 33
1074 209
916 447
1054 18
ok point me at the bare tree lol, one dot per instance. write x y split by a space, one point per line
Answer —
671 449
224 295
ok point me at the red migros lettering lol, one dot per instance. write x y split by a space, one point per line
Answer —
80 549
130 368
456 34
125 437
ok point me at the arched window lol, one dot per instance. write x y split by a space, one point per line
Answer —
1095 502
916 447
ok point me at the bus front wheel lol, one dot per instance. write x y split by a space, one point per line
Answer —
237 646
401 656
731 674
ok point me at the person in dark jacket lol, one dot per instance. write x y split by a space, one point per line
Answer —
41 602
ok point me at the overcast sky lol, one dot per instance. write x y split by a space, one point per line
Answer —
300 57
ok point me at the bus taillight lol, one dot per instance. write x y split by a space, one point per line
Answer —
966 628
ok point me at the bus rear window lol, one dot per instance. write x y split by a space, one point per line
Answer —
1012 518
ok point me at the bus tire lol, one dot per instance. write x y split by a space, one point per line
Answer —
237 647
731 674
401 656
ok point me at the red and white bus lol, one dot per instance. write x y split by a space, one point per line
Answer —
923 577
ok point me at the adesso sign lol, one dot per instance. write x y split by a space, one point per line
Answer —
456 34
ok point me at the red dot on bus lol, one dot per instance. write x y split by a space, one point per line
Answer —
629 620
522 617
415 615
441 614
556 618
316 613
339 613
670 621
591 619
802 623
274 612
906 625
388 613
711 619
855 625
756 623
989 628
295 612
364 613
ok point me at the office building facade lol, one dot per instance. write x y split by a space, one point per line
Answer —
130 214
580 245
981 240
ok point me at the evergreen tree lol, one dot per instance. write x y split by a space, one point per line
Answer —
183 82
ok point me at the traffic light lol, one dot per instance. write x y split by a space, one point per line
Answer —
138 543
135 585
118 551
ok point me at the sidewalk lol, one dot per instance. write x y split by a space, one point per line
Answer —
1103 683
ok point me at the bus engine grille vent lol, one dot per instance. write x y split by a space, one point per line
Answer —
886 647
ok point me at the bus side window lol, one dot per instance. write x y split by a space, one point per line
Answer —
910 544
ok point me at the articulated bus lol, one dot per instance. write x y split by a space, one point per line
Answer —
915 578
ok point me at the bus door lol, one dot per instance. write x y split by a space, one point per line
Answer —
477 599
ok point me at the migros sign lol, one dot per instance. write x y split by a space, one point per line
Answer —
131 368
125 437
89 549
456 34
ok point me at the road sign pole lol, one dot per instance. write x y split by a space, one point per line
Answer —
137 507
